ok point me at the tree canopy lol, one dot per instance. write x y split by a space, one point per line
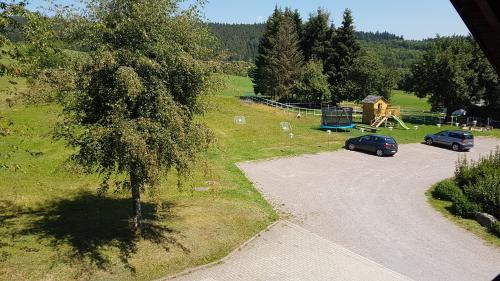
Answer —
454 74
133 109
281 73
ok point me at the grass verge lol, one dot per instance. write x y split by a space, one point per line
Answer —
472 226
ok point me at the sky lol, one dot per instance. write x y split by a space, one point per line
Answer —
414 19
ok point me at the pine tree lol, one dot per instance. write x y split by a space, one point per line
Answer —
297 20
340 62
258 75
285 61
315 36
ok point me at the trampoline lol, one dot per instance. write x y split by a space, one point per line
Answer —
337 118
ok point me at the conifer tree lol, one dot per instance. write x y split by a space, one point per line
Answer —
340 62
315 36
285 61
259 78
297 20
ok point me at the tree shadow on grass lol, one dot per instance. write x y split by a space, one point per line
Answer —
88 223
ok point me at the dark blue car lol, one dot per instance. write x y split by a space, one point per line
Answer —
378 144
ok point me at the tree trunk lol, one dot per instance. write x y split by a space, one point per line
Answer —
136 202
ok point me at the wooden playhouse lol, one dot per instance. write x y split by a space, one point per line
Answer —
377 111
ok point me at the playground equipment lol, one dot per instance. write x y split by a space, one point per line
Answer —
336 118
378 111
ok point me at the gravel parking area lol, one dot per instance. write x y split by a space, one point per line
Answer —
376 207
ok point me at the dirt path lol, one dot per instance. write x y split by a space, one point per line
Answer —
376 207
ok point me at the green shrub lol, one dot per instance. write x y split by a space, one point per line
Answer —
446 190
496 228
486 191
480 183
470 172
464 208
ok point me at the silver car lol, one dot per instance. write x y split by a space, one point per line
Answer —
457 140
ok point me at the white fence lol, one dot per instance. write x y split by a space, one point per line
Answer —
292 108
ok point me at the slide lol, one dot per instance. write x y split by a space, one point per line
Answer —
400 122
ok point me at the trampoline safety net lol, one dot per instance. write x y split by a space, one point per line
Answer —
336 116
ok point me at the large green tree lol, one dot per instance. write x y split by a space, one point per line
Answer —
316 35
339 64
488 81
285 61
313 84
132 114
279 62
446 75
259 76
369 77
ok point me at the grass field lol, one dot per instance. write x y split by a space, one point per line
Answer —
409 102
54 226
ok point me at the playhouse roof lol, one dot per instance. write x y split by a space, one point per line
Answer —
373 99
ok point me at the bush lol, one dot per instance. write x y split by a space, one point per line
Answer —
496 228
486 191
470 172
464 208
480 181
446 190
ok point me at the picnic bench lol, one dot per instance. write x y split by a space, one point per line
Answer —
367 128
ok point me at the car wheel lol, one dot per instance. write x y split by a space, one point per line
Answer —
455 147
351 146
429 141
380 152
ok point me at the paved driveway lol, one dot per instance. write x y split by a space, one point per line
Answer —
289 252
376 207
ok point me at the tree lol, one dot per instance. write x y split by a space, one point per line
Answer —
444 74
313 85
279 62
297 20
488 82
258 75
339 64
370 77
132 113
35 47
315 36
285 61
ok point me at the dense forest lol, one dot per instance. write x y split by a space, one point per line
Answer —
241 41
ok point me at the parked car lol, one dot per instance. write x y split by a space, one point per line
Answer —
457 140
378 144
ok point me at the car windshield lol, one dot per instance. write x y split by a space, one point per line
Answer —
467 137
390 140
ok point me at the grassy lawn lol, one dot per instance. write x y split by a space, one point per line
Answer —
409 102
54 226
471 225
236 85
